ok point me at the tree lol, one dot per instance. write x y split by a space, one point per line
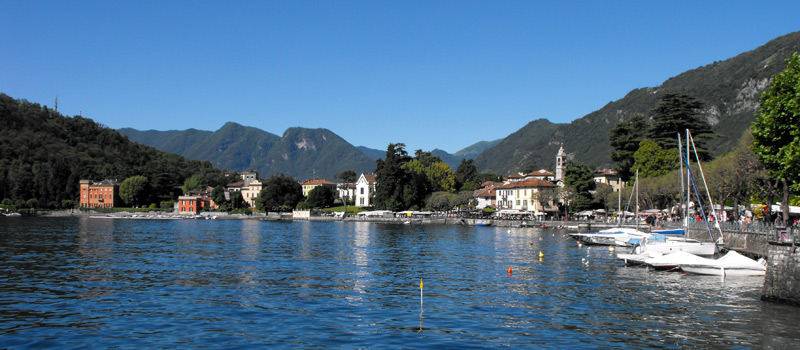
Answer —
466 174
776 131
347 176
218 194
624 139
651 160
392 179
442 201
435 176
580 179
193 183
321 197
135 190
674 114
279 191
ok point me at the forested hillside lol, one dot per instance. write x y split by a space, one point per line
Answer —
44 154
730 90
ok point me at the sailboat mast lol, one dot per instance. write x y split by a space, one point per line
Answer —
619 201
688 184
708 193
636 217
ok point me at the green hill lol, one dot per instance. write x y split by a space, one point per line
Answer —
44 154
730 90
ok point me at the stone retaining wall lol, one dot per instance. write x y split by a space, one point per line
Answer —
782 281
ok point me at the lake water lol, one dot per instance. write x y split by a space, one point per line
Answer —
78 282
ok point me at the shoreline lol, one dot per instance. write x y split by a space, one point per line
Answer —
572 225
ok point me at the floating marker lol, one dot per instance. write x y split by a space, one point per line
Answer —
509 270
420 297
541 255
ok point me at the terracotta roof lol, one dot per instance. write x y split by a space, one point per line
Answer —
236 184
370 177
529 183
541 173
317 182
491 184
485 192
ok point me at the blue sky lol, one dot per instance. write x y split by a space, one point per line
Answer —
430 74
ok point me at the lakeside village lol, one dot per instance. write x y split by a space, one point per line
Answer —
532 197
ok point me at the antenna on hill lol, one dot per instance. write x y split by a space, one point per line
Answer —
56 104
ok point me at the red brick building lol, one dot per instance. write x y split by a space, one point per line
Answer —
104 194
192 204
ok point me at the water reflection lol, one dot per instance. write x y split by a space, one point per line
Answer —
95 246
209 283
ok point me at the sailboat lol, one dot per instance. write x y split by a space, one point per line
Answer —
617 236
659 245
732 264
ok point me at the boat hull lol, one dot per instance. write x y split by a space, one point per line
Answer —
720 271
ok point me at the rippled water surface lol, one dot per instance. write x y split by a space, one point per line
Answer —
69 282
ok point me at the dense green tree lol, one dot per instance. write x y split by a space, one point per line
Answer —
580 179
392 179
135 190
195 182
466 174
651 160
435 176
321 197
347 176
674 114
776 131
624 139
218 194
279 191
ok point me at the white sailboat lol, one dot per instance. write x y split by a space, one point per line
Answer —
654 244
732 264
617 236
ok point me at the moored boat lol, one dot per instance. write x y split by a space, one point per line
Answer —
732 264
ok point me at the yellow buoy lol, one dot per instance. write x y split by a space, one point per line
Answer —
541 255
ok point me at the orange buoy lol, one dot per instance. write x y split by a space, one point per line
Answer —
509 270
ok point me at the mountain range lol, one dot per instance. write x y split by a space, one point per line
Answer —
730 90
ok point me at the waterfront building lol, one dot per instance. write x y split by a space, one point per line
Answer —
309 185
532 195
104 194
250 192
190 204
365 189
486 197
